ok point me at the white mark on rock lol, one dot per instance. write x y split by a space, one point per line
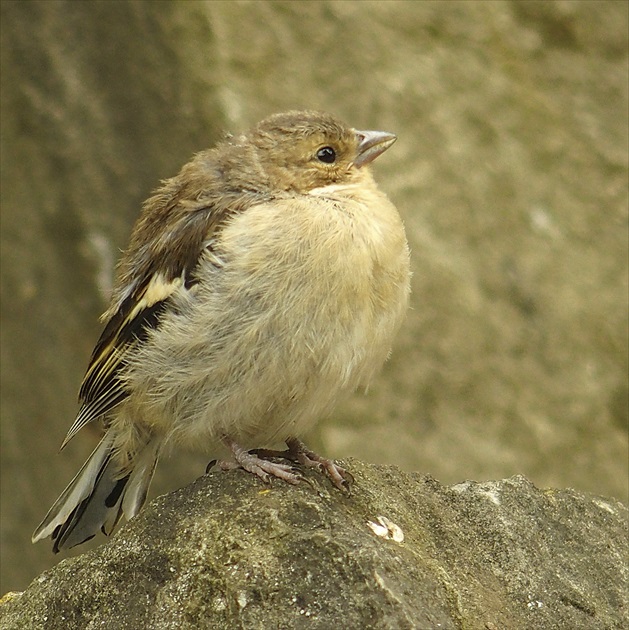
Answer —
386 528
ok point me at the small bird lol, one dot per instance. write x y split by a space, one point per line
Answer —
261 285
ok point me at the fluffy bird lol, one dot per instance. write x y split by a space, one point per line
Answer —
261 285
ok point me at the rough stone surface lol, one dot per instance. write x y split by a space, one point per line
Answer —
510 172
228 552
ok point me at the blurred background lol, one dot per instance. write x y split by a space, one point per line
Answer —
510 173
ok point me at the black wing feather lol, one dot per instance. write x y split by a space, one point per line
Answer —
102 389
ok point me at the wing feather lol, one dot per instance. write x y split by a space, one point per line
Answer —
179 222
102 389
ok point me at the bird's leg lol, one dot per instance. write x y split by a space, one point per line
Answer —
256 465
299 452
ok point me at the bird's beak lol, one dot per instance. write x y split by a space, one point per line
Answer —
371 144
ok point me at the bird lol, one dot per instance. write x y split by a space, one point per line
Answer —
261 285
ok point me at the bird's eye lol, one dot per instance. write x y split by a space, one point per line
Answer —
327 155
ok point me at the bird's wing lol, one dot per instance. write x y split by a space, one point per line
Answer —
102 388
128 325
178 223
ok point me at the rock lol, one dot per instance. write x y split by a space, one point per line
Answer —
402 551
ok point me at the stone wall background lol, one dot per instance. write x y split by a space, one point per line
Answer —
510 172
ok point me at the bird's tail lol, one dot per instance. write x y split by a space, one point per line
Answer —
98 496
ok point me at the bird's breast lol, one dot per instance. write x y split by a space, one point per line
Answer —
302 308
328 272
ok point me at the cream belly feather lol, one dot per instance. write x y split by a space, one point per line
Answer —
259 354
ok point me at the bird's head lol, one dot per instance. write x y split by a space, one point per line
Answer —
304 150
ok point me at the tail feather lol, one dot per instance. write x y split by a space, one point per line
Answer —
95 499
100 510
134 494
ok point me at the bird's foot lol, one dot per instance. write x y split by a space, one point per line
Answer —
340 477
252 463
299 453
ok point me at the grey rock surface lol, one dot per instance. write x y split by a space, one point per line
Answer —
228 552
